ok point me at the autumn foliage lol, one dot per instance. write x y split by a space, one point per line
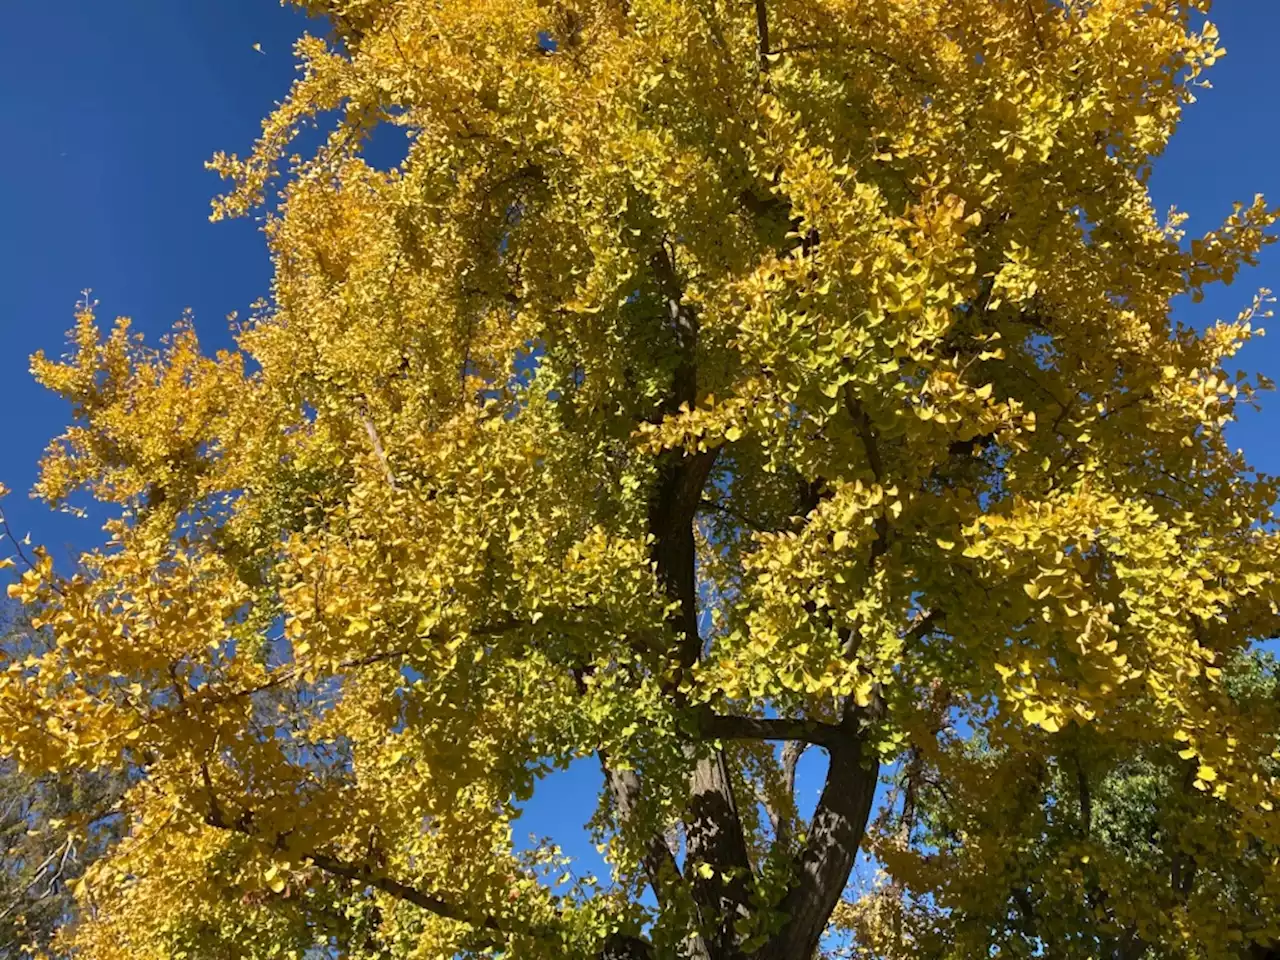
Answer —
709 382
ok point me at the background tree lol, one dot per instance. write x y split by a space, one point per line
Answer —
51 826
706 384
1094 828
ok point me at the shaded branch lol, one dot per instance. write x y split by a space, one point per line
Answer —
202 700
1182 874
63 850
659 863
1035 25
871 444
762 34
283 677
733 514
866 432
922 627
623 947
681 476
1086 799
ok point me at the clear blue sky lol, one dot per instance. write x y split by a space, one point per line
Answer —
109 110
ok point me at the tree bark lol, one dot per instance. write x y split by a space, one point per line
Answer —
713 830
826 860
659 864
714 837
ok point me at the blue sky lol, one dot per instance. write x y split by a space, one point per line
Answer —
110 110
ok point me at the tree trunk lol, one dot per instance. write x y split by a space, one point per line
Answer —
835 835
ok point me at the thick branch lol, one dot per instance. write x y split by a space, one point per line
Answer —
871 446
215 697
824 864
211 696
716 727
1035 25
866 432
681 478
881 55
616 947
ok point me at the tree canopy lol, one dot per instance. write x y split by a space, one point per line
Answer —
707 383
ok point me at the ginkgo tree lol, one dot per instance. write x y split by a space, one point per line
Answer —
708 383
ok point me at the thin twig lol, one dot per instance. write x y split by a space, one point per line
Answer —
17 544
378 451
